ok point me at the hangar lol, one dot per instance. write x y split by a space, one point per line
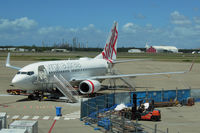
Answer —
161 49
134 51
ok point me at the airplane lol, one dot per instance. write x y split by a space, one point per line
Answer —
86 73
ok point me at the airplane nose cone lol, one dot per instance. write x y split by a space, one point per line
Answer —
17 81
22 81
14 80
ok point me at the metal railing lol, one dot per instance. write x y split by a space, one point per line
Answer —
67 92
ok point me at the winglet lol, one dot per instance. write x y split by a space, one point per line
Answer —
8 60
8 63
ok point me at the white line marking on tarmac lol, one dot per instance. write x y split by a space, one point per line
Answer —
46 118
35 117
56 117
73 115
6 95
66 118
25 117
15 117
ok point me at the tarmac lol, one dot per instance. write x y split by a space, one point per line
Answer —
19 108
177 119
180 119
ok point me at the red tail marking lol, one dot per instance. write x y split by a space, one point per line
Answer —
115 43
111 46
104 57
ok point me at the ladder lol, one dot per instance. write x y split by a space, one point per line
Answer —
65 88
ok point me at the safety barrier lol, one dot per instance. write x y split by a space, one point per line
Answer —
195 93
163 95
91 106
108 102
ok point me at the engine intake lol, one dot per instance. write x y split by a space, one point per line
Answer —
89 86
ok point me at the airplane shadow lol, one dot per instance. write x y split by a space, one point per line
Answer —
25 99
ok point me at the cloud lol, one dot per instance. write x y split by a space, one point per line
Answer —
179 19
25 31
182 32
196 20
130 27
18 24
50 30
89 27
196 9
139 16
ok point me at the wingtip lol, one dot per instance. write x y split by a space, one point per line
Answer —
8 60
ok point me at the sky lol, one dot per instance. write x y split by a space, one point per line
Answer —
140 22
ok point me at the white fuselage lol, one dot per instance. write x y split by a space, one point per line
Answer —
28 76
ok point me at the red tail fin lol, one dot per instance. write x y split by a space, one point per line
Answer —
110 50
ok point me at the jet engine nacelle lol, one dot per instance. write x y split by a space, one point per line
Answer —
89 86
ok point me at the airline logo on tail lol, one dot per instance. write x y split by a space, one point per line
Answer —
110 50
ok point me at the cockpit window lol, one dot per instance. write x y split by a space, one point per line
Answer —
23 72
30 73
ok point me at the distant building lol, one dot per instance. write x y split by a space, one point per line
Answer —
59 50
11 49
151 50
33 50
134 51
3 49
21 50
17 49
161 49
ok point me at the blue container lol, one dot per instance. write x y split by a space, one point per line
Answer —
105 122
58 111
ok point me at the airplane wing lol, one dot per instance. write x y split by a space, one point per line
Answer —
122 61
127 75
8 63
132 75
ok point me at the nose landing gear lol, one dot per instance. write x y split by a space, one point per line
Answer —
37 95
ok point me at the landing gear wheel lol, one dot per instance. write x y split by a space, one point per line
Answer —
31 97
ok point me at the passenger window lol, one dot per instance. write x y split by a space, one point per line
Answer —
30 73
18 72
